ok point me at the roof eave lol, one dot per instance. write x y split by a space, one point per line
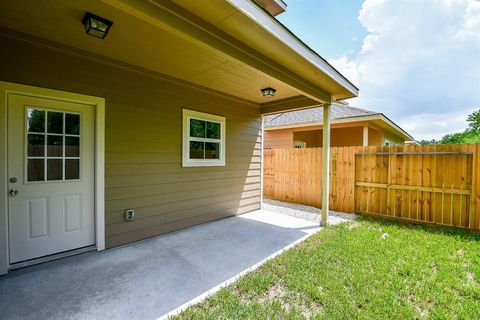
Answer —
274 7
279 31
319 123
377 116
395 126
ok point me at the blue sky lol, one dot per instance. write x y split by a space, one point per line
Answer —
417 61
333 34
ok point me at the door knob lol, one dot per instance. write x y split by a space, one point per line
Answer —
13 192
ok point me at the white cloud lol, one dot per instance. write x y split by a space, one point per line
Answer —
433 125
419 64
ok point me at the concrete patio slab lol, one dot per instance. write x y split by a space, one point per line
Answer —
147 279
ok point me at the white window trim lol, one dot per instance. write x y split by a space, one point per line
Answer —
299 144
186 161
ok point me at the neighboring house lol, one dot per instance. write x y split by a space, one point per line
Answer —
106 140
349 127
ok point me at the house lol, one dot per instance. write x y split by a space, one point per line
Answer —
350 127
126 119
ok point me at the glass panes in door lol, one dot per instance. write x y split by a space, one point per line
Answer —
53 145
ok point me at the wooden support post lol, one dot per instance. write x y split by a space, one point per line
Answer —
365 136
327 108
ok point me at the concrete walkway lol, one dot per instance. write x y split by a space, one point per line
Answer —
147 279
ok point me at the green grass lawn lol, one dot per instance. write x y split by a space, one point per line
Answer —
351 271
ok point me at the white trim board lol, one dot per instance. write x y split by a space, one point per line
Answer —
7 88
191 114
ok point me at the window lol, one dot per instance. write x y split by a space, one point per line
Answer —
299 144
53 145
203 139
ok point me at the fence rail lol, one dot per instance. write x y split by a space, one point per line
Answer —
438 184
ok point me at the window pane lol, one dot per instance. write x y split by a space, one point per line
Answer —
196 150
54 122
72 169
72 123
212 150
36 170
54 169
54 146
36 145
213 130
36 120
72 146
197 128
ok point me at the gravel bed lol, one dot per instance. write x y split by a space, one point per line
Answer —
305 212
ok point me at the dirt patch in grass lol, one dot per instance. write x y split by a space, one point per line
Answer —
422 311
312 309
290 301
275 291
471 278
243 297
352 225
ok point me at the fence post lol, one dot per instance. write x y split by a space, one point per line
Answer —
325 162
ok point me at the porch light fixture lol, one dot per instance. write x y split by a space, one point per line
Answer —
96 26
268 92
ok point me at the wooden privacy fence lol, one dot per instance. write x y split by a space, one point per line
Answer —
438 184
295 175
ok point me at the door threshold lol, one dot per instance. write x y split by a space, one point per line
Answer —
55 256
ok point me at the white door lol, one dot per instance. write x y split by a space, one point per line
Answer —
51 176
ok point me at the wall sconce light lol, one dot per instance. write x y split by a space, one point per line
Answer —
268 92
96 26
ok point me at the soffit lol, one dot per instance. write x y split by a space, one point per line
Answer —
240 26
392 129
136 42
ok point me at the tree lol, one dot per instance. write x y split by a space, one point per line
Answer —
427 142
474 120
470 135
454 138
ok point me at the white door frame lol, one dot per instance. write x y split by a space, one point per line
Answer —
7 88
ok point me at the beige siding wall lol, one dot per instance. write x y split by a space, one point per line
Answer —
343 137
143 142
312 138
393 140
340 137
278 139
375 137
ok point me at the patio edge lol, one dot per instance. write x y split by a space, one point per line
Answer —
231 280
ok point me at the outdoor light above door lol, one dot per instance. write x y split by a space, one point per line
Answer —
96 26
268 92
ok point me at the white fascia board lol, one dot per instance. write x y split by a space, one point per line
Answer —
395 126
319 123
274 27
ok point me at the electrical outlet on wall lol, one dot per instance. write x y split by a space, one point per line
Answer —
129 215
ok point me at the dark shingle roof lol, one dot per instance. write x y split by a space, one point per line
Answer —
339 111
